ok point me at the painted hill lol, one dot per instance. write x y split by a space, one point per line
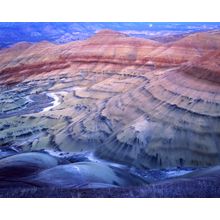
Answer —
132 100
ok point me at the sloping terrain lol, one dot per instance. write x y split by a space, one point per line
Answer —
135 101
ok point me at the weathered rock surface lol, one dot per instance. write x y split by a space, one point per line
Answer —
136 101
25 164
83 175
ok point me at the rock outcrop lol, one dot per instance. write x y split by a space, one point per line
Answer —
136 101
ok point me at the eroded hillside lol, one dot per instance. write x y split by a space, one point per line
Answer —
131 100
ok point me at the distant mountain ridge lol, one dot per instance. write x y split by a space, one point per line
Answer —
63 32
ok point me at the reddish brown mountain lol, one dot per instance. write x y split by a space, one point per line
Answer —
133 100
114 50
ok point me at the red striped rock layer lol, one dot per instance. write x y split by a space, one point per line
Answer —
151 104
115 51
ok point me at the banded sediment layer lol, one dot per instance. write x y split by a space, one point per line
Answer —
131 100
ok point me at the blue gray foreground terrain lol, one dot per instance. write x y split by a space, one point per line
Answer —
110 109
38 174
